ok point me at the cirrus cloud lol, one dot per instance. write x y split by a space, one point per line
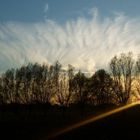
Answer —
86 43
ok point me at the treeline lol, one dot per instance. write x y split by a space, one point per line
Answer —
35 83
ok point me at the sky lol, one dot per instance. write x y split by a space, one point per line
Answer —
84 33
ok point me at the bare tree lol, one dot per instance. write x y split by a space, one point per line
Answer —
70 84
122 72
79 82
137 78
66 87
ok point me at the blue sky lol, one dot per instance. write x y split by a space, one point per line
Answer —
62 10
83 33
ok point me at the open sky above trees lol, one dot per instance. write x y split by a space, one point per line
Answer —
85 34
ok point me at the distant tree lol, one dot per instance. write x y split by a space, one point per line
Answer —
21 84
71 86
63 89
79 82
8 86
18 79
101 87
27 83
66 87
1 91
55 71
122 72
37 77
46 94
137 75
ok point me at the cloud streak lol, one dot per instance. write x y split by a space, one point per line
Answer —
46 8
86 43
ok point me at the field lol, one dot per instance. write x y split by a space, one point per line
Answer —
39 121
121 124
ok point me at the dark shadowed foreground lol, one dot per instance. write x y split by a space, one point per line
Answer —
37 121
123 122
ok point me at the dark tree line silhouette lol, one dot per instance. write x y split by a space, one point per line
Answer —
35 83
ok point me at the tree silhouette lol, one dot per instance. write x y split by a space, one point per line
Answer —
43 84
80 89
101 87
122 70
8 85
137 75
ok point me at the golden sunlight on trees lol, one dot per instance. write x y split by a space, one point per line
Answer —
42 84
138 76
122 73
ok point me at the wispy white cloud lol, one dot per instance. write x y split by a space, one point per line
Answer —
87 44
93 12
46 8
